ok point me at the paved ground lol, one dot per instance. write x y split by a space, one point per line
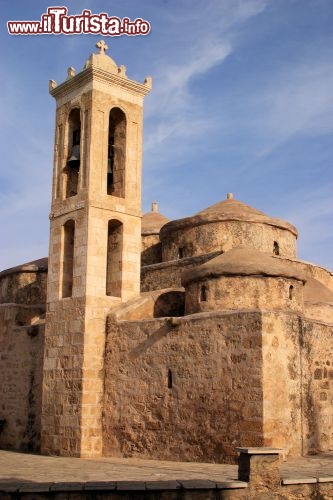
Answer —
19 467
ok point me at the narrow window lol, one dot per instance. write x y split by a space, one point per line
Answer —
73 161
276 248
181 252
291 292
203 293
114 258
169 379
68 259
116 153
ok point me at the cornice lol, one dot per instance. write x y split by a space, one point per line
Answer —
95 74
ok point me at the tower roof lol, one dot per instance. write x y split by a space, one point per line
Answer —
228 210
244 261
104 61
153 221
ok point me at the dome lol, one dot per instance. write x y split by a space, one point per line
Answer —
104 62
244 261
39 265
153 221
315 292
228 210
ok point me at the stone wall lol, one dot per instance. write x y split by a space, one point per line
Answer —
282 380
317 367
244 292
224 235
185 388
21 371
168 274
151 249
23 287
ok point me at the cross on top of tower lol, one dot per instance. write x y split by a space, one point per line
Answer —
101 45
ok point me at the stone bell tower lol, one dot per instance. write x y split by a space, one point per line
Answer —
95 243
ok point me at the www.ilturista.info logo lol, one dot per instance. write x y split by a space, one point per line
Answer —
56 22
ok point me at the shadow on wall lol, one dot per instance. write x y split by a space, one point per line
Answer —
170 304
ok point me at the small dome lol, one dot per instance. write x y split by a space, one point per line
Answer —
243 261
228 210
28 267
153 221
104 62
315 292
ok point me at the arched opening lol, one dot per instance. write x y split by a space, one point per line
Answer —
181 252
203 293
116 153
114 258
291 292
73 160
67 259
276 248
170 304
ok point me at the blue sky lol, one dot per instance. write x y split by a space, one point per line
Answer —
242 102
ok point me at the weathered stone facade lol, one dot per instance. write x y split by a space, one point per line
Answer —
227 341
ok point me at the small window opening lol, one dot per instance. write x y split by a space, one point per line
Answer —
68 258
114 258
203 294
276 248
169 379
181 252
291 292
73 162
116 153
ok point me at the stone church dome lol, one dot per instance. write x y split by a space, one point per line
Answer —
228 210
244 278
244 261
225 225
153 221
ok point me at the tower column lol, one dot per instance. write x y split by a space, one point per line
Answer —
95 244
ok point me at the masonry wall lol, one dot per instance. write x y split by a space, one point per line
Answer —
151 249
282 380
224 235
168 274
21 371
23 287
317 367
187 392
244 292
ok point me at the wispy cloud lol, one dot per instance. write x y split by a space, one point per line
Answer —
172 112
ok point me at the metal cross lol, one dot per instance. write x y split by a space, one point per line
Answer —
101 45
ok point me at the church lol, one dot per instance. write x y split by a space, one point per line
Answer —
144 337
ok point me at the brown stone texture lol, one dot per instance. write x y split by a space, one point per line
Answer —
168 274
21 372
23 287
243 292
160 403
317 365
151 249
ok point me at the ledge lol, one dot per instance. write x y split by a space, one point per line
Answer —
260 451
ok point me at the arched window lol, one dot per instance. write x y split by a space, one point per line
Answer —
276 248
114 258
203 293
67 258
73 159
116 153
181 252
291 292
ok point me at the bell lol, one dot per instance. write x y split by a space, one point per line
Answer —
74 160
